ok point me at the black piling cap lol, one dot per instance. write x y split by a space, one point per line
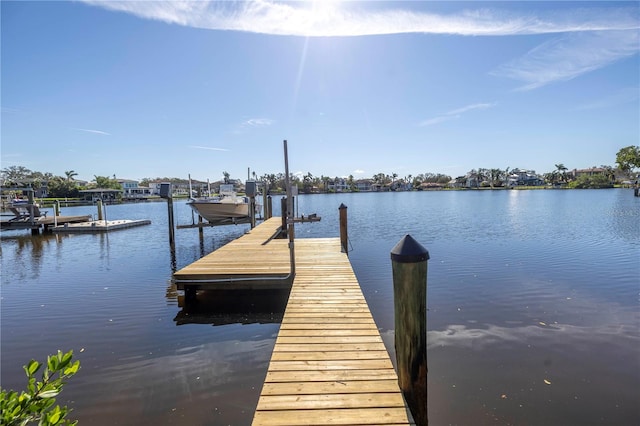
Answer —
408 250
342 206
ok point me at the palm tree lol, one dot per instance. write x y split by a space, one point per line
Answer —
307 182
494 176
70 175
351 182
562 170
481 176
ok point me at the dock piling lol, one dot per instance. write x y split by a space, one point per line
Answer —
344 239
409 267
269 208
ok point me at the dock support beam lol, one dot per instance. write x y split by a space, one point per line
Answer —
409 266
344 238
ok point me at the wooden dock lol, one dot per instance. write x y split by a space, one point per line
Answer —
257 260
44 223
96 226
329 365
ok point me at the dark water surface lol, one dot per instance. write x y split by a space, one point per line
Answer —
523 287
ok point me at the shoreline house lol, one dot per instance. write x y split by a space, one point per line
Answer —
338 185
524 177
132 190
364 185
596 171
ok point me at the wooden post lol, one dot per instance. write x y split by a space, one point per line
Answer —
269 210
99 204
344 240
56 208
409 266
167 192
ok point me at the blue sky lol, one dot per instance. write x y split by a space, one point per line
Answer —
150 89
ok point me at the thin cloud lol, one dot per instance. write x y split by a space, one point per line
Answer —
358 172
259 122
455 114
95 132
570 56
210 148
322 19
470 108
590 37
437 120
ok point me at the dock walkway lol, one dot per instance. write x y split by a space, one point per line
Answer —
329 365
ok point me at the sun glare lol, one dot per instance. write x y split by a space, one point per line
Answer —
323 16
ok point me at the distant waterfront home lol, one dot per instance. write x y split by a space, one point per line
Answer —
458 182
338 185
592 171
104 194
131 189
524 177
595 171
364 185
380 187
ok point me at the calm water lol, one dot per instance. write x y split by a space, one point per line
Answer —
523 287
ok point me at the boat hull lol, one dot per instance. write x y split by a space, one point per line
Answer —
214 211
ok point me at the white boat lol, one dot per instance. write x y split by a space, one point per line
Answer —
226 206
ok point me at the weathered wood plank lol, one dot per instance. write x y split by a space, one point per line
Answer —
324 332
330 401
332 364
330 375
335 387
289 347
327 355
354 416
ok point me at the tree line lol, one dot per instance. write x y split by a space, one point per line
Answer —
627 162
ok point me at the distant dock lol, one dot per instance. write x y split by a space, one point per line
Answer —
98 226
39 223
329 364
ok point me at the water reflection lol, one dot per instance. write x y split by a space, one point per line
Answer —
26 254
624 217
222 307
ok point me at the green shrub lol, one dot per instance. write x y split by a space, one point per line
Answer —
36 404
595 181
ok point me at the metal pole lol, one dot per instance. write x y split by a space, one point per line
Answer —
283 215
409 266
290 227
